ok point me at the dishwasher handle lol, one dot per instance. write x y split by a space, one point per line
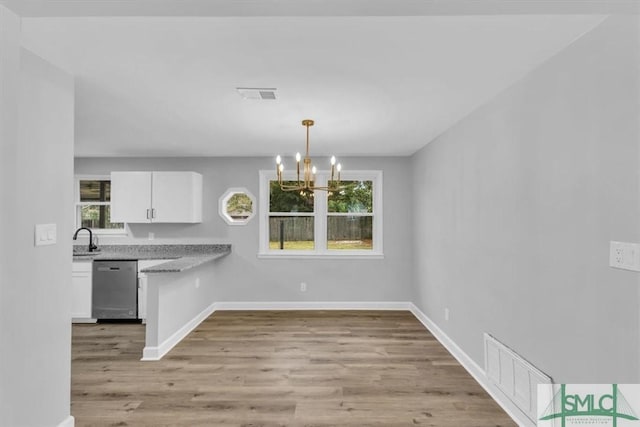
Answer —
105 268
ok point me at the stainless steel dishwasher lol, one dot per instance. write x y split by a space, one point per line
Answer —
115 290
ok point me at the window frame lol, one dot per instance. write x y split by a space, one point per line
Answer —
77 204
321 214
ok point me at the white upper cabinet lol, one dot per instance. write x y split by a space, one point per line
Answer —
131 196
177 197
156 197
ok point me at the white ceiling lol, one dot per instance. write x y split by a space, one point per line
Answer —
377 85
317 7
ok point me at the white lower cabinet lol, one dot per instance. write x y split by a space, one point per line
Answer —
142 296
142 285
81 291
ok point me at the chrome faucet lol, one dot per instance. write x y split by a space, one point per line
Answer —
92 247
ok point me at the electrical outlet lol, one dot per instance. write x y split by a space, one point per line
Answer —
618 256
152 236
624 255
446 314
303 287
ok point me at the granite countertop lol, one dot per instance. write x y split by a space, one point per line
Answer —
179 257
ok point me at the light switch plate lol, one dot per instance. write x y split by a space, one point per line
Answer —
45 234
624 255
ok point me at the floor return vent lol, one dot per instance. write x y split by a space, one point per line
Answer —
513 375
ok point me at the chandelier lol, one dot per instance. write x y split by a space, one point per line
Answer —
306 184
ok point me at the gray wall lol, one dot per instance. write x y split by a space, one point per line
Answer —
36 124
174 300
244 277
516 208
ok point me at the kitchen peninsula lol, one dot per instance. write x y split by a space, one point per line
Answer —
177 292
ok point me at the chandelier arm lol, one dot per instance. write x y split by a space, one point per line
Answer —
291 188
310 188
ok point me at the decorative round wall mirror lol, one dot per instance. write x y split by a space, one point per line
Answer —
237 206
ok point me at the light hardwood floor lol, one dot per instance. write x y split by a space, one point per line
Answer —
278 368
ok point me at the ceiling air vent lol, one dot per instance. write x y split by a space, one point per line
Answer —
257 92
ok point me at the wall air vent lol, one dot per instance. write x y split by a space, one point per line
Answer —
513 375
257 92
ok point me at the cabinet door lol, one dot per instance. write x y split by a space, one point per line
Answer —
142 285
177 197
81 290
131 196
142 297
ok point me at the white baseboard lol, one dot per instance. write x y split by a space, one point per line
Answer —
68 422
472 367
156 353
313 305
83 320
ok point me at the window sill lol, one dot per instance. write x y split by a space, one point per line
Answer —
299 255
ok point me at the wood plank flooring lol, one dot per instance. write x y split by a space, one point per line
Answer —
278 368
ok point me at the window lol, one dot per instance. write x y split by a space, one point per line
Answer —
343 223
237 206
350 216
291 219
93 205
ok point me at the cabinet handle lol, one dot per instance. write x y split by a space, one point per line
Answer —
148 214
153 213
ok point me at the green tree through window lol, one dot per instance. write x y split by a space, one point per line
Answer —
356 196
289 201
239 206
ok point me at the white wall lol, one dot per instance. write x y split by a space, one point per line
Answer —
174 301
37 161
9 82
517 205
244 277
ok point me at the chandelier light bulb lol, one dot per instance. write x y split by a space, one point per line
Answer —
333 160
297 157
281 167
339 167
313 170
278 159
